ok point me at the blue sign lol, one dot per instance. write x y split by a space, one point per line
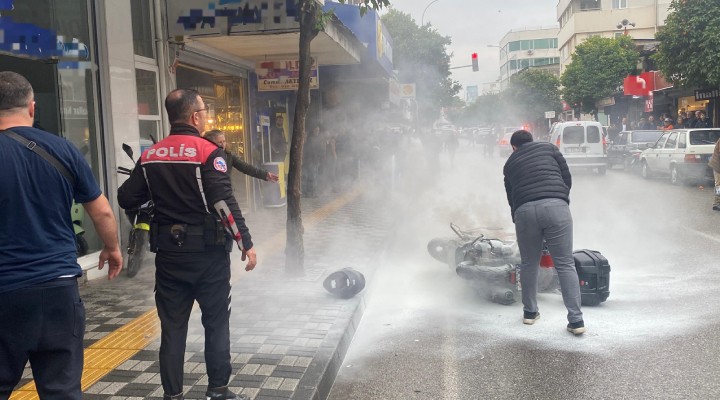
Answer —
368 29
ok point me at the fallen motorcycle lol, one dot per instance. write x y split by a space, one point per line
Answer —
492 265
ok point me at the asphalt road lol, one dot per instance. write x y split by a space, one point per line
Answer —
427 335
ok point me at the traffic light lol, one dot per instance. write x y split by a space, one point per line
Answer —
474 62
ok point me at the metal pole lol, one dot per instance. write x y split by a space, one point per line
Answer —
422 18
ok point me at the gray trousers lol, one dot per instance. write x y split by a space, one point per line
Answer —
716 200
548 219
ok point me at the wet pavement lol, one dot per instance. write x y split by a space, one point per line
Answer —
288 335
426 334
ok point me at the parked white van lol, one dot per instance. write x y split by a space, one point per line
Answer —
582 143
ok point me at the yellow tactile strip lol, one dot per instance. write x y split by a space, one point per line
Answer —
109 352
120 345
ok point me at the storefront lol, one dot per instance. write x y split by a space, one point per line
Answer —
691 104
225 91
54 47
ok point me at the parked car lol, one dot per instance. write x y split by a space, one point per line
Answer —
681 154
504 147
626 149
582 143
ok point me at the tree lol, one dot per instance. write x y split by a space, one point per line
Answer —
597 69
531 93
690 43
312 21
420 54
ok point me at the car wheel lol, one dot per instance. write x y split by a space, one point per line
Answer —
645 170
674 175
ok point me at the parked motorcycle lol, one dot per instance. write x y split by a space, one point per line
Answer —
140 218
78 215
492 265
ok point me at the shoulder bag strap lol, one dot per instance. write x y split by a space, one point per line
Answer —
32 146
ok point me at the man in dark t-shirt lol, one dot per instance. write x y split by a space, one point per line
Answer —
39 295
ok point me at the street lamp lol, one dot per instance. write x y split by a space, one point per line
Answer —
624 24
422 18
499 47
507 58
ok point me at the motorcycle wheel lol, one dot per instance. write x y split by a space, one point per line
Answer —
136 252
548 280
438 249
81 245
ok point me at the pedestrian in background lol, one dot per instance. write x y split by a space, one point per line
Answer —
703 121
715 165
218 137
451 144
187 178
667 124
41 311
537 184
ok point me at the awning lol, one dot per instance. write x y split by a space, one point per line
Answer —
256 32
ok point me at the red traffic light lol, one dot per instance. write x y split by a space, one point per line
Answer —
474 62
474 56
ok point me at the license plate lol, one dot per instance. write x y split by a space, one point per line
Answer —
575 149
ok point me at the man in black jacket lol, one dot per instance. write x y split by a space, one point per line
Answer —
537 183
187 178
218 137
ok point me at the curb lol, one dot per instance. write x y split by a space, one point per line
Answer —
320 376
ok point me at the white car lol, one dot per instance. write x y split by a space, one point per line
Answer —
681 154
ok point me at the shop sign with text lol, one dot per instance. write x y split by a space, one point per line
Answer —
283 75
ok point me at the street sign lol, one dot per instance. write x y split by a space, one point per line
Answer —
407 90
549 114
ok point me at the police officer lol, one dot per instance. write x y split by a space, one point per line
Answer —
187 176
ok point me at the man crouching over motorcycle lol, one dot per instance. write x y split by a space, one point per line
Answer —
537 183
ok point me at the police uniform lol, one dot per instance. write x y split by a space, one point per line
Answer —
185 175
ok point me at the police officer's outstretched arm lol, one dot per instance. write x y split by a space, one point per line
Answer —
134 192
216 182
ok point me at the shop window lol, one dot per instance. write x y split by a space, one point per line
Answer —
228 99
60 65
147 106
147 92
620 4
143 43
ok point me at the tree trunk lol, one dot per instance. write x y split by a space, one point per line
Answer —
295 249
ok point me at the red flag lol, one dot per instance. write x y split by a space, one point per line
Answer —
639 85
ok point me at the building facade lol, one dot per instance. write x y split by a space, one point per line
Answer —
101 69
528 48
581 19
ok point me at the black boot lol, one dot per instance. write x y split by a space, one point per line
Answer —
223 393
175 397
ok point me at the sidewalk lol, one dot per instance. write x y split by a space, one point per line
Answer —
288 335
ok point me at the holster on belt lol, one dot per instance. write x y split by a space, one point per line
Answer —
215 234
181 238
